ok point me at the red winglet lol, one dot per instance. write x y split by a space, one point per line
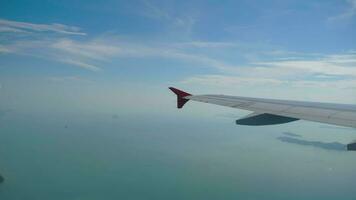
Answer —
180 97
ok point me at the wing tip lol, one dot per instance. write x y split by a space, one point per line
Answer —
180 97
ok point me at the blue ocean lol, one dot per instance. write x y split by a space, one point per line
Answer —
76 156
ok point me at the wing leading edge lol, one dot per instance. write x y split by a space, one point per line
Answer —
272 111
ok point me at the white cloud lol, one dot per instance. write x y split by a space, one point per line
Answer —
4 49
228 81
98 50
206 44
79 63
322 78
340 91
91 53
338 65
306 67
87 54
111 48
222 81
11 29
59 50
37 40
67 79
16 26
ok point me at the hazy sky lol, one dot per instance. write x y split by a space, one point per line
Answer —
90 55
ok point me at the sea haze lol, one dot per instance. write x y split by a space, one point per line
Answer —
102 156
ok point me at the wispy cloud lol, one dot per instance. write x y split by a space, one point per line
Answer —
106 49
227 81
154 11
279 67
348 13
334 65
66 79
323 73
46 41
90 52
243 80
322 66
83 54
4 49
24 27
38 40
206 44
53 49
79 63
92 49
183 23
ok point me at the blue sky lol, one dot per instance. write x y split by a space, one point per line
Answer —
118 52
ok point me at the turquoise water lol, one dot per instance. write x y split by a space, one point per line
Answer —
100 156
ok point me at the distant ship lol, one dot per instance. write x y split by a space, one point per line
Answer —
1 179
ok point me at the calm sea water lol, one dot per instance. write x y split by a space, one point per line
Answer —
101 156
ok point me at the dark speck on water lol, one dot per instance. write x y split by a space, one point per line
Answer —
1 179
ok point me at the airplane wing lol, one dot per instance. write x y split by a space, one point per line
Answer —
272 111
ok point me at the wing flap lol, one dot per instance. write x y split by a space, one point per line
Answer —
261 119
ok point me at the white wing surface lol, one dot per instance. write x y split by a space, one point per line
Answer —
271 111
